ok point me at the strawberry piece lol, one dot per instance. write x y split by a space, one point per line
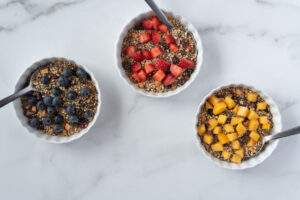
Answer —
173 47
147 24
159 75
142 75
156 51
155 37
149 68
146 54
144 37
162 64
129 50
189 48
176 70
169 80
135 77
185 63
169 39
155 22
163 28
136 67
137 56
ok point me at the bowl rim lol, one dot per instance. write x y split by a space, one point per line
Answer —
118 52
23 120
254 161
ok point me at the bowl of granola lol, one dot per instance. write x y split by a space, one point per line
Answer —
65 103
231 122
156 61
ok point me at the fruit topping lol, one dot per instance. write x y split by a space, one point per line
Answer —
32 101
81 73
149 68
156 51
45 79
58 119
169 80
155 22
176 70
163 28
146 54
85 92
70 109
47 121
173 47
67 72
159 75
169 39
137 56
51 110
72 95
142 75
47 100
56 91
34 123
155 37
162 65
136 67
185 63
144 37
147 24
87 114
57 128
57 101
129 50
63 81
73 119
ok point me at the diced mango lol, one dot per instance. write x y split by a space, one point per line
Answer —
222 119
226 154
235 144
250 143
240 152
212 124
263 119
229 102
252 96
228 128
232 136
236 158
236 120
213 99
236 108
253 125
266 126
252 115
208 105
207 138
219 108
254 136
261 106
217 146
217 130
240 129
223 138
201 129
242 111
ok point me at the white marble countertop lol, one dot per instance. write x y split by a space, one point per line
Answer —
144 148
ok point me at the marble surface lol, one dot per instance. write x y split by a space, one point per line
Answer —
144 148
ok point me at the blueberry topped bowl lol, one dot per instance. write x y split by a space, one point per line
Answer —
66 102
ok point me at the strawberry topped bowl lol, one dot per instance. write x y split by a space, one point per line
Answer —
157 61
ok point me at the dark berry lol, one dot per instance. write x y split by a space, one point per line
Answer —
47 121
56 91
87 114
57 101
73 119
85 92
72 95
70 109
63 81
45 79
34 123
57 128
58 119
47 100
40 105
32 100
67 72
81 73
51 110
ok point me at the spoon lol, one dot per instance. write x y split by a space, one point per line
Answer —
159 13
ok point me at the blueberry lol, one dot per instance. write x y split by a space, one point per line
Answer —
57 101
58 119
63 81
32 100
67 72
47 121
40 105
47 100
72 95
85 92
57 128
34 123
56 91
45 79
87 114
81 73
51 110
70 109
73 119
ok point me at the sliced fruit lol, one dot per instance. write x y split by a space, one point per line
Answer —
137 56
250 143
253 125
235 144
208 138
176 70
240 129
155 37
217 146
266 126
169 80
163 28
159 75
219 108
142 75
129 50
207 104
236 120
228 128
236 108
226 154
212 123
217 130
156 51
229 102
136 67
261 106
169 39
252 115
173 47
135 77
147 24
236 158
223 138
243 111
162 64
240 152
155 22
263 119
252 96
232 136
213 99
185 63
144 37
201 129
149 68
188 48
146 54
222 119
254 135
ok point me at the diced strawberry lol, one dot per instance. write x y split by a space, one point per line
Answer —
176 70
156 51
135 77
163 28
169 80
185 63
169 39
155 22
173 47
159 75
155 37
149 68
147 24
146 54
189 48
162 64
136 67
129 50
142 75
144 37
137 56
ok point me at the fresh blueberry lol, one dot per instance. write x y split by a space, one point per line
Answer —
56 91
70 109
73 119
47 121
51 110
40 105
57 101
32 100
87 114
67 72
34 123
57 128
63 81
85 92
45 79
58 119
72 95
81 73
47 100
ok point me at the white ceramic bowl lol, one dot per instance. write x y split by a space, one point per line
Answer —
24 121
121 70
252 162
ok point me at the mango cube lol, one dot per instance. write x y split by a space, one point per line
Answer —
236 108
252 115
240 129
222 119
263 119
250 143
208 105
261 106
212 124
252 96
217 130
226 154
208 138
236 120
236 158
254 136
223 138
213 99
201 129
228 128
240 152
229 102
219 108
266 126
243 111
217 146
235 144
253 125
232 136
